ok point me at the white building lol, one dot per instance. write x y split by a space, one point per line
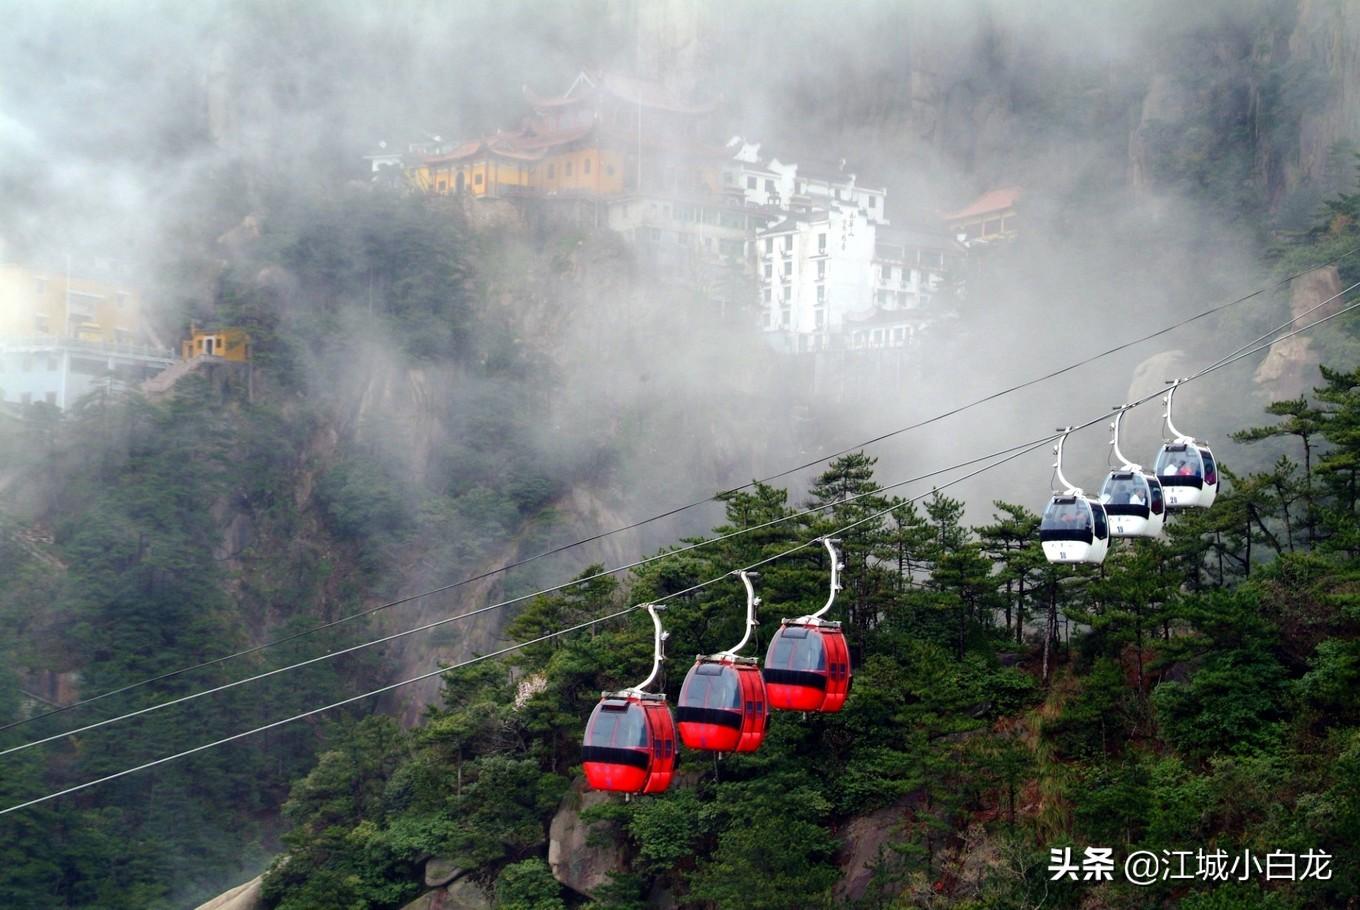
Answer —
70 329
815 272
677 228
60 371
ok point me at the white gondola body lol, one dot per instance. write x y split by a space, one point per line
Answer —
1135 504
1074 530
1189 475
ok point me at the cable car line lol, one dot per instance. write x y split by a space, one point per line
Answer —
1285 325
695 587
679 509
498 653
1016 450
149 709
313 712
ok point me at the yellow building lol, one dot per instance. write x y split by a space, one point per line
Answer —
990 217
586 141
226 344
64 303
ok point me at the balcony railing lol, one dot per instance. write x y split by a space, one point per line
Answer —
84 345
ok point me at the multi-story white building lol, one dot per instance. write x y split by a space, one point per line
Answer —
815 271
69 330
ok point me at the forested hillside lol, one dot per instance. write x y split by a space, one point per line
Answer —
1191 695
440 387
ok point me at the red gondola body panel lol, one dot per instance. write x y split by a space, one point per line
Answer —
807 667
630 744
723 706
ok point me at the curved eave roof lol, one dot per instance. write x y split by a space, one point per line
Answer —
987 203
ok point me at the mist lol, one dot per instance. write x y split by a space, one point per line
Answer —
217 149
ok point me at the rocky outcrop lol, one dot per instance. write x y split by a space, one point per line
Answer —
463 894
242 897
439 872
1290 367
575 862
1150 377
866 839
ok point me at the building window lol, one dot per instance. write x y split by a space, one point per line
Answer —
769 243
1005 225
821 243
750 183
821 293
788 267
769 271
821 269
819 318
566 169
769 295
873 202
50 398
788 243
477 180
769 186
585 166
441 187
899 335
991 226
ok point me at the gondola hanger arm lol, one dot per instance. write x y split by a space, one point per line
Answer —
752 601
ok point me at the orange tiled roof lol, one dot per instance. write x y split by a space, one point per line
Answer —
524 145
988 202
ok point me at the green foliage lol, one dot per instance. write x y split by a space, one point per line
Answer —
528 885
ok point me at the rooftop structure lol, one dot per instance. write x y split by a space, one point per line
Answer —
988 218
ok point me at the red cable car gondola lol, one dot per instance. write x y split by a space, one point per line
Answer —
722 705
630 738
807 667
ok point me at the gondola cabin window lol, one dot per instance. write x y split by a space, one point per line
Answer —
796 649
619 725
712 686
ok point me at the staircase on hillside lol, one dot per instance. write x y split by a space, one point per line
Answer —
165 380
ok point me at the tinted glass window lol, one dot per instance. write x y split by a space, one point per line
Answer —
621 729
1210 469
798 649
1156 490
1178 461
1102 529
1066 516
711 686
1124 489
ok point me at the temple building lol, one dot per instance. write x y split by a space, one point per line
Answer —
606 134
811 241
987 219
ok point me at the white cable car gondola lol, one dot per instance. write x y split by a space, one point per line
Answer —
1074 528
1133 499
1185 466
